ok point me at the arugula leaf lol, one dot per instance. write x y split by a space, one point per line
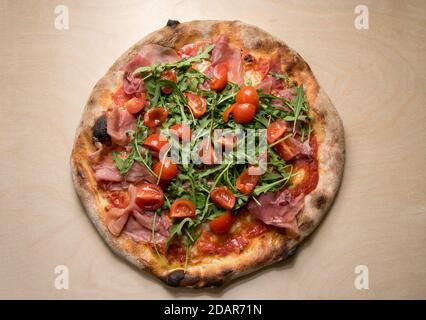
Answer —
123 165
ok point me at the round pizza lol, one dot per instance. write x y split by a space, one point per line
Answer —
207 151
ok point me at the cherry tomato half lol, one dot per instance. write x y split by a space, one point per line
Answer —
248 94
275 131
120 97
223 197
288 148
135 104
168 75
244 112
155 142
149 196
207 153
222 223
155 116
228 111
197 104
246 182
220 77
182 208
166 170
182 131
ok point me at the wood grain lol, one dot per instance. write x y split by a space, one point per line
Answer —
375 77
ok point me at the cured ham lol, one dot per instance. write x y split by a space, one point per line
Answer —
137 223
148 55
224 52
119 123
278 209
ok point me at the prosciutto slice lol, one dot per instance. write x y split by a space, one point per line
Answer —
148 55
106 171
119 122
224 52
278 209
137 223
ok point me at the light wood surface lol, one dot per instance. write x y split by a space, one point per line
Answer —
375 77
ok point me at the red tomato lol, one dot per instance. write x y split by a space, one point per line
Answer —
135 104
275 131
168 75
223 197
182 208
149 196
197 104
155 116
288 148
222 223
248 94
182 131
155 142
246 183
120 97
166 171
305 178
207 153
244 112
220 77
228 111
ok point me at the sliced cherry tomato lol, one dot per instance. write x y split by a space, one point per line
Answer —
149 196
155 116
168 75
166 170
182 131
244 112
197 104
228 111
182 208
275 131
120 97
223 197
222 223
248 94
135 104
305 176
220 77
288 148
155 142
246 182
207 153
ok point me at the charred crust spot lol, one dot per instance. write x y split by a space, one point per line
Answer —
291 252
306 226
175 277
320 202
172 23
91 101
226 272
80 174
248 58
99 130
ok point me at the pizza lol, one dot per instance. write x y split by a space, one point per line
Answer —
207 151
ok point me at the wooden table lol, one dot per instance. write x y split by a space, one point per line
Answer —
375 77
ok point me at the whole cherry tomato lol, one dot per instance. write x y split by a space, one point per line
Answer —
244 113
149 196
182 208
166 170
248 94
197 104
222 223
223 197
155 116
220 77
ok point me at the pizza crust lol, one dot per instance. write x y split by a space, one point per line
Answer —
261 251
